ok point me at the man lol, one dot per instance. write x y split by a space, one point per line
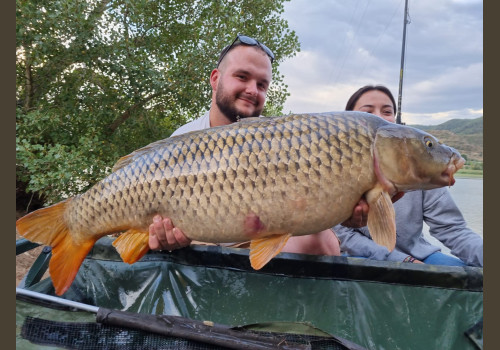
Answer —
239 87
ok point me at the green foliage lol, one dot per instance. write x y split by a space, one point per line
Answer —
98 79
469 173
476 166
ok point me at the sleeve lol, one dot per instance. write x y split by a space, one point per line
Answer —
358 243
448 225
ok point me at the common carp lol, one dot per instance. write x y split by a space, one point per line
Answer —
261 180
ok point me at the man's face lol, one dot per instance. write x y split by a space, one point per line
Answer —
242 83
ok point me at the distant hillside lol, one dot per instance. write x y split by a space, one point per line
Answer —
466 135
457 126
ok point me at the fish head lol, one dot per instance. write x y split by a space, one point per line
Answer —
408 159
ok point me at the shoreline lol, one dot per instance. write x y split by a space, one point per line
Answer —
469 176
469 173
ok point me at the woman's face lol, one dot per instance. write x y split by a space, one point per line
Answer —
378 103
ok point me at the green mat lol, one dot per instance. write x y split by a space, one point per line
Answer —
377 305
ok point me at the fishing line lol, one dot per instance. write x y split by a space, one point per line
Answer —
338 55
341 69
375 47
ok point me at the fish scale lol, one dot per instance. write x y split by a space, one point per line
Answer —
261 179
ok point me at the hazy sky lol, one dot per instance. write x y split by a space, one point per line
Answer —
346 44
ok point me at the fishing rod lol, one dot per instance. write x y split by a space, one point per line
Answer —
206 332
403 48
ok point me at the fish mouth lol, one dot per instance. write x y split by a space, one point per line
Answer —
455 164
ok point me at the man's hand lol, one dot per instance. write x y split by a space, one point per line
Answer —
359 216
164 236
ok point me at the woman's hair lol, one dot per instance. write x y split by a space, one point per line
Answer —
355 97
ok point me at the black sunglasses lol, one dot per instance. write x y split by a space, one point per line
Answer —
246 40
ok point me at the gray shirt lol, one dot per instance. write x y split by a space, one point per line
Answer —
439 211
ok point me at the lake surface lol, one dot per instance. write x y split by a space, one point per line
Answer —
468 195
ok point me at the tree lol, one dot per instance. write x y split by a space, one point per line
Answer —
98 79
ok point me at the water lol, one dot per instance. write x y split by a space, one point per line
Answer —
468 195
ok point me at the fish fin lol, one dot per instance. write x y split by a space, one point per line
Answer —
44 225
47 226
250 119
125 160
381 217
264 249
67 257
132 245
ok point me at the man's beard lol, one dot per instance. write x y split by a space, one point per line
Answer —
226 104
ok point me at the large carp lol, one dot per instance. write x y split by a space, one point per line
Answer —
262 179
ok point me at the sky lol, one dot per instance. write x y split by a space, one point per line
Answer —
346 44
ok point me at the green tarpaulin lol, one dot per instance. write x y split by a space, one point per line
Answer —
378 305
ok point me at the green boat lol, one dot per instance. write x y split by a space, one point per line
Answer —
208 297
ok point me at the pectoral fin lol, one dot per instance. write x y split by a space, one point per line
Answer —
264 249
381 217
132 245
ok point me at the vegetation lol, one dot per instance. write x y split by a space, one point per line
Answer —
98 79
469 173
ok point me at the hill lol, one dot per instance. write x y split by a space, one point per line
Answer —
466 135
457 126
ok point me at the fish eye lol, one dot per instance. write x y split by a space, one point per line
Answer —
429 143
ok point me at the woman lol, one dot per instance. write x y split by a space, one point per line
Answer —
434 207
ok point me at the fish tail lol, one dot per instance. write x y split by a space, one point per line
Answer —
47 226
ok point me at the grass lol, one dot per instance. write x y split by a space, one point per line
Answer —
469 173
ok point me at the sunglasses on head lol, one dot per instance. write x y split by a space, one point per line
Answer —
246 40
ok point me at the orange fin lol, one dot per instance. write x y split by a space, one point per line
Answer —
262 250
67 257
381 218
44 225
47 226
132 245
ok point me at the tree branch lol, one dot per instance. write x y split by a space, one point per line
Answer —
29 83
125 115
